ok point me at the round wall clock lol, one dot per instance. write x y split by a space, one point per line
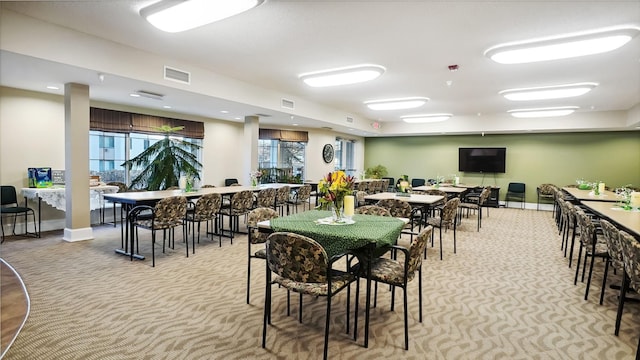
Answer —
327 153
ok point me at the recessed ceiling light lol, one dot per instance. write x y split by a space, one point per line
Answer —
548 92
224 111
397 104
175 16
562 47
166 106
425 118
53 87
342 76
134 95
543 112
294 124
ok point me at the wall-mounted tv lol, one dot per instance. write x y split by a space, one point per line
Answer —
483 160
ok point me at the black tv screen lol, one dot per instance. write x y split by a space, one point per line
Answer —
482 159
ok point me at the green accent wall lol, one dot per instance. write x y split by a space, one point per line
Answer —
534 159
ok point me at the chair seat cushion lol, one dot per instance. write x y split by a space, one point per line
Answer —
469 205
149 224
15 210
385 270
339 280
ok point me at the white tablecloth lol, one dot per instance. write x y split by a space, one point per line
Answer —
55 196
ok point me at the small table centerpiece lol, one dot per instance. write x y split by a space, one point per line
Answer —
334 187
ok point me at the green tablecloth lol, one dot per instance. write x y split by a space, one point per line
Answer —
338 239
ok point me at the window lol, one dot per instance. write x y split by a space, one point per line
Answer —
281 161
345 156
108 151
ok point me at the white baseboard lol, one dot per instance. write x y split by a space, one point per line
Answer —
81 234
529 206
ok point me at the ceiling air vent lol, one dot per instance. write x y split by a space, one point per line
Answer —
288 104
177 75
349 119
150 95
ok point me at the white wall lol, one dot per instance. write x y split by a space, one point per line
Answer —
32 135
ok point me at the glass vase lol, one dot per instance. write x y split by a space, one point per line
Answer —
337 210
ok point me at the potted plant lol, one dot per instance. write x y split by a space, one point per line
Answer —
376 172
162 163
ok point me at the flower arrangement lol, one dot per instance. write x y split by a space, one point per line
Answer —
255 176
334 187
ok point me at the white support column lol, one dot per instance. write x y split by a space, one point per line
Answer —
250 141
76 158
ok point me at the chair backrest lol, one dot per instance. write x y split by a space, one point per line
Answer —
372 210
612 237
170 211
484 196
362 186
631 256
8 195
372 186
229 182
208 186
416 250
547 189
282 194
587 228
255 216
397 208
517 188
417 182
207 206
304 193
360 197
390 181
267 197
242 201
449 210
122 187
297 257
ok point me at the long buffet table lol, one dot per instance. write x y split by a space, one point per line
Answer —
627 220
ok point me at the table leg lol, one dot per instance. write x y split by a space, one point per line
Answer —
125 229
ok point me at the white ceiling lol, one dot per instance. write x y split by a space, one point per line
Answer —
415 41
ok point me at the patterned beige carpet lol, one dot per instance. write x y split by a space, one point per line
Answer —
507 294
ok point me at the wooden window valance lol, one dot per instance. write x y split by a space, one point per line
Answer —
125 122
284 135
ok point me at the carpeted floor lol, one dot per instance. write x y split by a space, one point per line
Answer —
507 294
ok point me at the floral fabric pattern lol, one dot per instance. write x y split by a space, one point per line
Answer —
206 208
631 256
612 237
168 212
266 198
397 208
372 210
255 216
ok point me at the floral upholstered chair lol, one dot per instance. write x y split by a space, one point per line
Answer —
477 206
256 237
447 218
401 209
301 197
360 201
372 210
302 265
398 273
631 276
616 259
167 214
241 203
545 192
205 209
266 198
282 199
591 245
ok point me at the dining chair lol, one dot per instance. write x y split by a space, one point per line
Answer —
515 191
417 182
372 210
301 265
362 186
239 205
256 237
593 246
397 273
630 277
9 207
360 201
390 183
122 187
447 217
401 209
266 198
477 206
546 193
282 199
301 197
205 209
167 214
615 259
372 187
229 182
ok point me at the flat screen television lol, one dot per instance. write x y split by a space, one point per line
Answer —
483 160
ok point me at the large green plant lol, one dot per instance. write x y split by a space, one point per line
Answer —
162 163
376 172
